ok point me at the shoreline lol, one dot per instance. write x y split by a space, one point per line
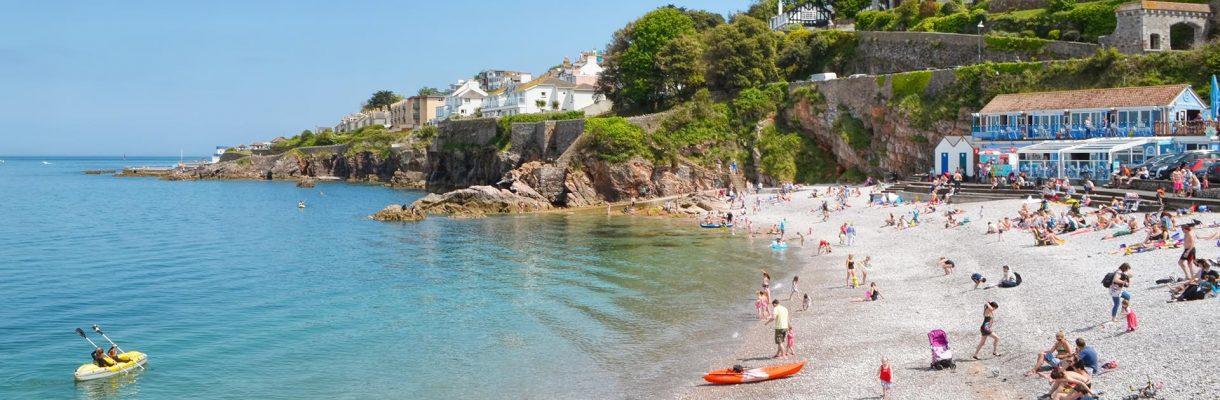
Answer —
843 338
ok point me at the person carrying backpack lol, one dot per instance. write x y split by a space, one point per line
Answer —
1116 281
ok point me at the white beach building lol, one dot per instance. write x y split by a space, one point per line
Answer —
953 153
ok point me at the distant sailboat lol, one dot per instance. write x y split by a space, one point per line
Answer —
46 163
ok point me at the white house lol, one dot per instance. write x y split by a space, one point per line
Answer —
546 94
953 153
359 120
464 98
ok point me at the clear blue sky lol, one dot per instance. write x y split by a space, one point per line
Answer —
153 77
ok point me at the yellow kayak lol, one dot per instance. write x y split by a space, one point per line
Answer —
127 361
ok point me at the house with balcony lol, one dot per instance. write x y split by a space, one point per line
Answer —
354 121
495 79
414 111
584 71
547 94
1090 132
464 98
808 14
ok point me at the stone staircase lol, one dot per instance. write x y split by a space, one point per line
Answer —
974 192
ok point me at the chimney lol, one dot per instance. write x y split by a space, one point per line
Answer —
779 8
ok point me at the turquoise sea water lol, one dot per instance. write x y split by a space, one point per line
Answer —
234 292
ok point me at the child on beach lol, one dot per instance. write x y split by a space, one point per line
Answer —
1132 321
978 279
795 289
761 305
823 247
805 302
791 339
885 374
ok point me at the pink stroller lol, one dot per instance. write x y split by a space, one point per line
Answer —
942 356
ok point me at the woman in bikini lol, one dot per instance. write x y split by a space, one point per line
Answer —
766 285
1058 353
851 271
985 330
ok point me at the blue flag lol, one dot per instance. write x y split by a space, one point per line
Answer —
1215 97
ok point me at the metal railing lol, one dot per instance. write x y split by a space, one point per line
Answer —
1077 131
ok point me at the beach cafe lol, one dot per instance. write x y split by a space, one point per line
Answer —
1144 111
1091 132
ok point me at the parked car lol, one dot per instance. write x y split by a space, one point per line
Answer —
1194 160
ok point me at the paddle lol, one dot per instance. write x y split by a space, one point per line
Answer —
98 329
81 332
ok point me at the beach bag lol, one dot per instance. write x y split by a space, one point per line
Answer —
1107 280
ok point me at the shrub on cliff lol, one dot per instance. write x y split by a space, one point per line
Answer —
614 139
805 52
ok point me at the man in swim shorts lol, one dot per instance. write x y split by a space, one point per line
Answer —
779 314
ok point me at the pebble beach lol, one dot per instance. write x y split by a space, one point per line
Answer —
844 338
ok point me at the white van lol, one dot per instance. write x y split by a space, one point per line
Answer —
825 76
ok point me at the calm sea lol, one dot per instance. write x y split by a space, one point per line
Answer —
234 292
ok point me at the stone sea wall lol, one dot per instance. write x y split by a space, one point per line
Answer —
892 52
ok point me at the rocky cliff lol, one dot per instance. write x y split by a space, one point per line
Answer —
895 140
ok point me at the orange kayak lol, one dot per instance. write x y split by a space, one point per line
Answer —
728 376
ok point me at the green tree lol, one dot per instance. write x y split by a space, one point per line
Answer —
632 79
382 98
704 20
428 91
616 140
741 55
681 66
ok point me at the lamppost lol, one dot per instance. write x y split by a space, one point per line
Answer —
980 26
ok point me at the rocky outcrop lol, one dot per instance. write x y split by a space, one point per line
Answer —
481 200
398 213
331 162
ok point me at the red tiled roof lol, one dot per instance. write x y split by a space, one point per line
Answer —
1140 96
1164 5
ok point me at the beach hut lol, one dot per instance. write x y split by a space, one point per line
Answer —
954 152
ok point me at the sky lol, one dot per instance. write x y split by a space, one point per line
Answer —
152 78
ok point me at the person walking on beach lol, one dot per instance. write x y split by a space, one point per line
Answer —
851 234
885 374
795 289
780 316
985 330
1120 279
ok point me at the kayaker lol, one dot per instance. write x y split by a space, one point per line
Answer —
99 358
113 353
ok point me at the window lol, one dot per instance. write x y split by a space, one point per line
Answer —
542 94
1154 42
